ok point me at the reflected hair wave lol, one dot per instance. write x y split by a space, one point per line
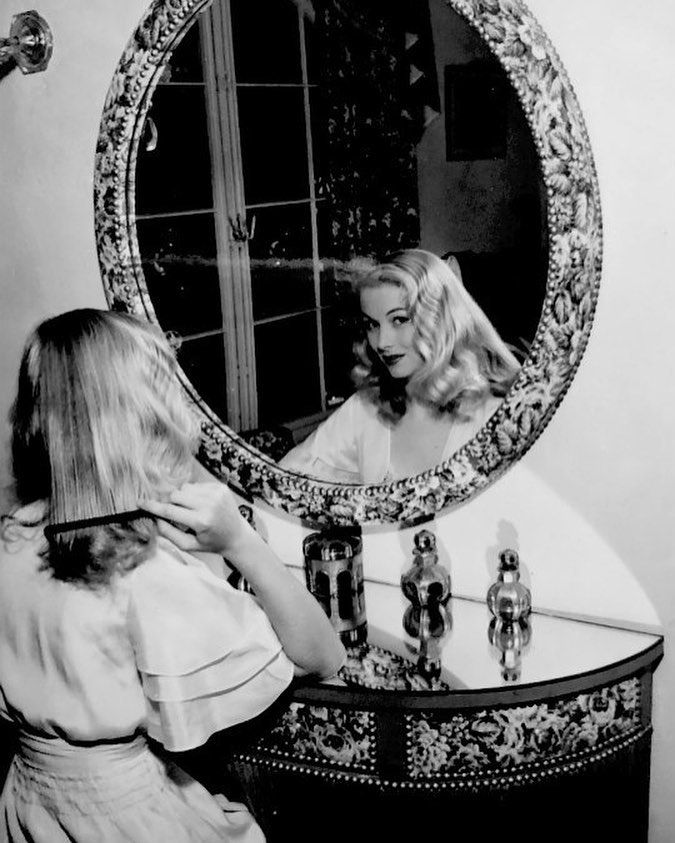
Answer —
464 360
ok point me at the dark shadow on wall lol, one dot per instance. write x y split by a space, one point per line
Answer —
7 66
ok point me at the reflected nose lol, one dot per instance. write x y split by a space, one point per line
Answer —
385 339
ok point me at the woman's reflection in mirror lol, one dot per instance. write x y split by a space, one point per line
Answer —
430 370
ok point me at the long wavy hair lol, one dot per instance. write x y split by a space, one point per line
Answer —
98 422
464 360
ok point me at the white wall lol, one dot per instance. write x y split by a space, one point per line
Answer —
590 507
48 132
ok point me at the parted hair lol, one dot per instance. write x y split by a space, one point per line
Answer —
464 360
98 422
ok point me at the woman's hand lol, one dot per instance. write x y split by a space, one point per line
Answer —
199 517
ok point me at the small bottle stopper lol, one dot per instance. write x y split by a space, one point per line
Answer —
427 581
508 599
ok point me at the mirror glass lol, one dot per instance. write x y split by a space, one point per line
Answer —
274 157
253 152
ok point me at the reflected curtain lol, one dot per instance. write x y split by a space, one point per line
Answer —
377 90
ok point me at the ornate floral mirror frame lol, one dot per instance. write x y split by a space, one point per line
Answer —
574 235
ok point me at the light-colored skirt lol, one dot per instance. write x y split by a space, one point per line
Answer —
111 793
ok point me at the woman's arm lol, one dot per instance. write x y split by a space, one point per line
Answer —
209 512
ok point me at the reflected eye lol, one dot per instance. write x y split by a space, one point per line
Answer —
400 320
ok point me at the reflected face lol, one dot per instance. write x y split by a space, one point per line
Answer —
389 329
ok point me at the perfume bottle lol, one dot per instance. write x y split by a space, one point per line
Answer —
334 575
427 581
508 599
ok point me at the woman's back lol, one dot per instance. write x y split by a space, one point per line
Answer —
66 662
166 649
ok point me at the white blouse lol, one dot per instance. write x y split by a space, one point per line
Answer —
353 445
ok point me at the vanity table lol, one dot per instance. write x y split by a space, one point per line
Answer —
385 752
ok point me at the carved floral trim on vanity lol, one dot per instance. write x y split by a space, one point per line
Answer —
574 237
501 747
339 737
501 739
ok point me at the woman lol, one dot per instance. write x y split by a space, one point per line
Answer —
113 630
431 370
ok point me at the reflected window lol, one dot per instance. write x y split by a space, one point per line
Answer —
240 214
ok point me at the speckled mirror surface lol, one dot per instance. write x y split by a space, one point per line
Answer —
226 221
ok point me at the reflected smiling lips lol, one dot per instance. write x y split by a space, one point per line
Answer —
390 360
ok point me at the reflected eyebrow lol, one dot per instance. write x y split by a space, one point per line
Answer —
404 310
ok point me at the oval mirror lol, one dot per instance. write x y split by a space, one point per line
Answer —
242 171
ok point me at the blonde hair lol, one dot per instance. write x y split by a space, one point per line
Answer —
463 357
98 422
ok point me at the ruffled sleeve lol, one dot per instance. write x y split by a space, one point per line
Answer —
207 655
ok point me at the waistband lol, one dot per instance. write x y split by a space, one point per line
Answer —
59 756
84 778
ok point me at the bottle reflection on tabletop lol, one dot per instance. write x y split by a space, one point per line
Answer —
510 639
430 625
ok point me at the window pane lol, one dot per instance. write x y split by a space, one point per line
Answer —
266 43
179 262
287 368
185 64
336 274
338 338
281 261
314 56
328 227
176 174
203 361
273 144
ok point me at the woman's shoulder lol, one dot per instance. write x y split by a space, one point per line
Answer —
181 616
172 573
360 405
164 559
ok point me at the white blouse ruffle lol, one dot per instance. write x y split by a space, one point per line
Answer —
207 655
